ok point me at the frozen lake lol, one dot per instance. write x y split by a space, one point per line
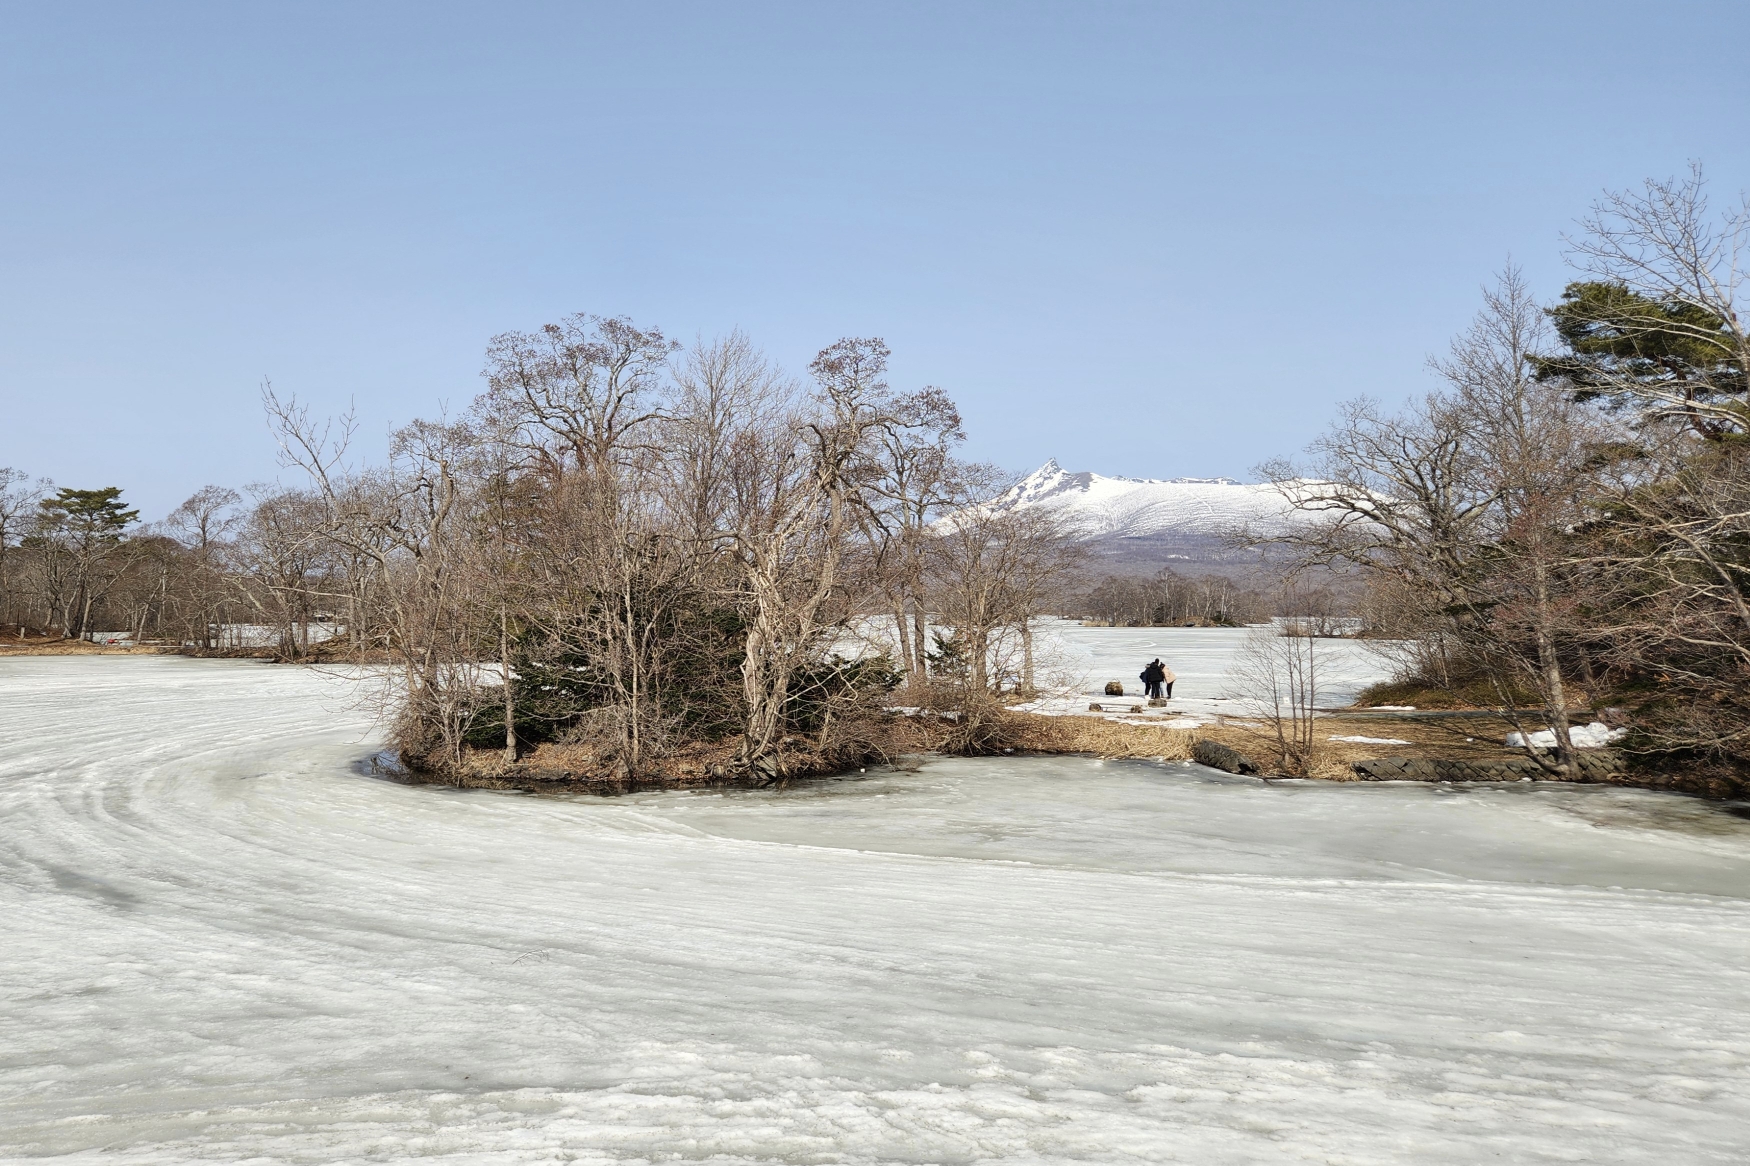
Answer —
1075 662
222 942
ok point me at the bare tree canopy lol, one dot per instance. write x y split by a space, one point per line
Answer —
631 552
1565 520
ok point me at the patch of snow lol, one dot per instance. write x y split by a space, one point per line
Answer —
1593 736
1372 740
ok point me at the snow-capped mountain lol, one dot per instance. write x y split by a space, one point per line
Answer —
1174 509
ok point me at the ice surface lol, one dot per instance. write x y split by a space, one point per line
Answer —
222 941
1075 662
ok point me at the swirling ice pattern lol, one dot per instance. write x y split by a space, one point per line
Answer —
222 942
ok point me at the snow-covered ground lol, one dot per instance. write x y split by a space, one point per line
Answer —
1591 736
1075 663
221 941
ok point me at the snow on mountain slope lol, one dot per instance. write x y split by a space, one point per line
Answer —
1097 506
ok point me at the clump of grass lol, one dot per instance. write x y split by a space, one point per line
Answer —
1033 733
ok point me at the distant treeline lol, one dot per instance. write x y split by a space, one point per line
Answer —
77 563
1170 599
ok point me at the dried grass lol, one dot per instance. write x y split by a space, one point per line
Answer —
1096 735
1326 767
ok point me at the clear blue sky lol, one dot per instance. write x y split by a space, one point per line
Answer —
1146 239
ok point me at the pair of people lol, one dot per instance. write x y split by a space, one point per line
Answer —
1156 677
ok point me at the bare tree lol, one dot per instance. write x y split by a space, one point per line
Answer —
410 521
1276 679
992 572
203 524
914 482
1171 599
586 400
799 483
1468 501
273 565
1536 446
1671 584
722 388
580 392
19 497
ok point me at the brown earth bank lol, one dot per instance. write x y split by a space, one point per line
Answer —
35 643
1461 747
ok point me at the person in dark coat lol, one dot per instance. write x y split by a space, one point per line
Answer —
1154 677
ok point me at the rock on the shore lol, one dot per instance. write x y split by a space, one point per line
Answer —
1223 757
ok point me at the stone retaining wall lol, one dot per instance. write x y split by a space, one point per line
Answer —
1591 765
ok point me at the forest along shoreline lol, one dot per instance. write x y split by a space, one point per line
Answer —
1436 740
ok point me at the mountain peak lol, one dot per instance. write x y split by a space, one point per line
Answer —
1098 505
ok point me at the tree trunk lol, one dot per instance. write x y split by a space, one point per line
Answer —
907 658
634 754
1550 664
978 659
762 688
509 694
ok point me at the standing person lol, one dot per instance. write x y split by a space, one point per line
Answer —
1151 679
1164 676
